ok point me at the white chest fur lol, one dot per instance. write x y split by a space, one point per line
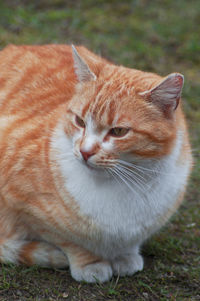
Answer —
124 215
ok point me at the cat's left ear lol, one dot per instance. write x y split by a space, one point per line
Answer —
82 70
166 94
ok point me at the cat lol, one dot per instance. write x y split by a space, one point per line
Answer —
95 158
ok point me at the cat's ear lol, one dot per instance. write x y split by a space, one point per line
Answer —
167 93
82 70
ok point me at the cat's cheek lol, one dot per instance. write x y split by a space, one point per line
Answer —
69 128
108 146
76 145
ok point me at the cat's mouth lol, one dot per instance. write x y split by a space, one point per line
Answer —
97 171
93 167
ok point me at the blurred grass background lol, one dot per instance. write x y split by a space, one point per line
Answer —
161 36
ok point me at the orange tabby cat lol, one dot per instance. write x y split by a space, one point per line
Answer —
94 159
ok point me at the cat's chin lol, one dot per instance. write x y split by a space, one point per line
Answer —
95 170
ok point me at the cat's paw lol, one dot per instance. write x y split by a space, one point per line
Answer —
127 264
100 271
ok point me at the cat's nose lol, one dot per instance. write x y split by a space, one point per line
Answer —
86 155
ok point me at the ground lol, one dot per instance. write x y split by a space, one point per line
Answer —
160 36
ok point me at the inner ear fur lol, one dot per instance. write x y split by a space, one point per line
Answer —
167 93
82 70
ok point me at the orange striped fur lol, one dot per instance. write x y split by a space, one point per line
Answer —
43 89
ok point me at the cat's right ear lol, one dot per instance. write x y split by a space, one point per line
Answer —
82 70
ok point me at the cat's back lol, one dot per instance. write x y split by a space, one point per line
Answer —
25 56
35 75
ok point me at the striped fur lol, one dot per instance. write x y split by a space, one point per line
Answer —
72 193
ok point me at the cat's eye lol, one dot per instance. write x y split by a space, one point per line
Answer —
80 122
118 132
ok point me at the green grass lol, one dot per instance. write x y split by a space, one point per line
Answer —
160 36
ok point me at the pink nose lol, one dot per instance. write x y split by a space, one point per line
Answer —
86 155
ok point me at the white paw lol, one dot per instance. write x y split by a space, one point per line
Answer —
127 264
95 272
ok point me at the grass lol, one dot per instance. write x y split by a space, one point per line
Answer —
160 36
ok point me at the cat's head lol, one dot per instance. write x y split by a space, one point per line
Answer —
121 114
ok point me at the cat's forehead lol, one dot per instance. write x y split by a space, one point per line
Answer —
106 101
113 88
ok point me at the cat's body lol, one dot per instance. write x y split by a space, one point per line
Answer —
66 197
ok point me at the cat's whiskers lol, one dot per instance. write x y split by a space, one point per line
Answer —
106 163
138 194
110 171
144 177
128 173
100 166
116 172
143 169
133 180
141 181
131 171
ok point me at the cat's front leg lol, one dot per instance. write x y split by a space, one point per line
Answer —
128 263
86 266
